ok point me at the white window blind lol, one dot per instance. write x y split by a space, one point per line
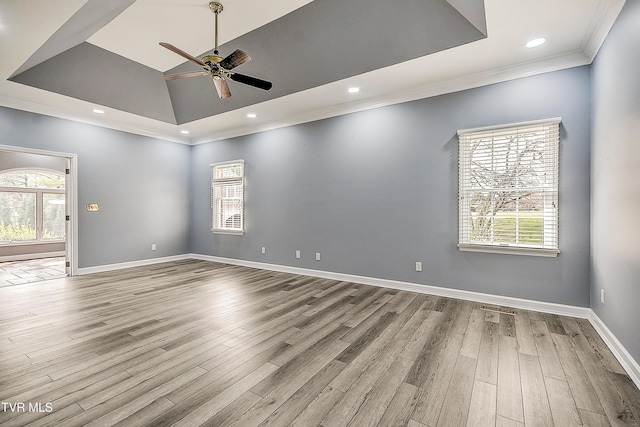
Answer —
508 188
227 197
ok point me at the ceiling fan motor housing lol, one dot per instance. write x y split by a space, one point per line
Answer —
215 59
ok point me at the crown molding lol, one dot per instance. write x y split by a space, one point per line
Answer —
571 59
120 121
605 17
608 11
64 107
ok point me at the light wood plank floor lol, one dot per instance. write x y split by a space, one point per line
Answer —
198 343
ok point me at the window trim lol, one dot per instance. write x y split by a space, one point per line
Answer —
223 180
464 243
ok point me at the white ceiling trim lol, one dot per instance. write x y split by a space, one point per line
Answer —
128 122
603 21
560 62
65 107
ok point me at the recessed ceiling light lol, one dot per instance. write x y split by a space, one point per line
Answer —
536 42
184 132
98 111
252 115
353 90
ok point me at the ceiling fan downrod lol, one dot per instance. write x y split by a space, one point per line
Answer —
216 8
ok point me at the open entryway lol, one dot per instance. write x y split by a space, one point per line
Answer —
37 215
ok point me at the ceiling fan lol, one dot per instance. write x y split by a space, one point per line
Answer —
217 67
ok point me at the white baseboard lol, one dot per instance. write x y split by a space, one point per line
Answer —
618 350
626 360
140 263
545 307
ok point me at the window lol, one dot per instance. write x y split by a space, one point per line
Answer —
227 197
508 188
32 206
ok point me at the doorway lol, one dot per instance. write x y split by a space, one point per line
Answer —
43 239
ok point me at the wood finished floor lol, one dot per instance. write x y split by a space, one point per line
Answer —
198 343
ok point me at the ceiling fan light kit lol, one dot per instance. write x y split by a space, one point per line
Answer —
217 67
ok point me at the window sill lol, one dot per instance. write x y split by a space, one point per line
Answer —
232 232
32 242
509 250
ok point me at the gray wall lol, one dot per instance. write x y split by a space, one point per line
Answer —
376 191
13 160
615 191
140 183
373 192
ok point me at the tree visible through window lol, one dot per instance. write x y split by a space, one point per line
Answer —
32 206
227 196
508 188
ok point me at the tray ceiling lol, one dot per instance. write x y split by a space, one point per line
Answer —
106 54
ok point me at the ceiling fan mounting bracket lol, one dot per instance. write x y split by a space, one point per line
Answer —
215 7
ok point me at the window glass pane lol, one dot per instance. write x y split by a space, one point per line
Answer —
229 213
530 228
232 214
32 179
17 216
481 216
506 216
53 219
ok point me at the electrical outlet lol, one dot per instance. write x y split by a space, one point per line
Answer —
317 256
601 296
264 250
297 254
153 246
418 266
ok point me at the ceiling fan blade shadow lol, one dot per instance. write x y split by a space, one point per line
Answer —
185 75
182 53
221 87
251 81
238 57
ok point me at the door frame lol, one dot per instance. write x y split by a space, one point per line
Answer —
71 197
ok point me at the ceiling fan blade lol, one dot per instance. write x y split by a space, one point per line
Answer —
185 75
221 87
182 53
238 57
251 81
